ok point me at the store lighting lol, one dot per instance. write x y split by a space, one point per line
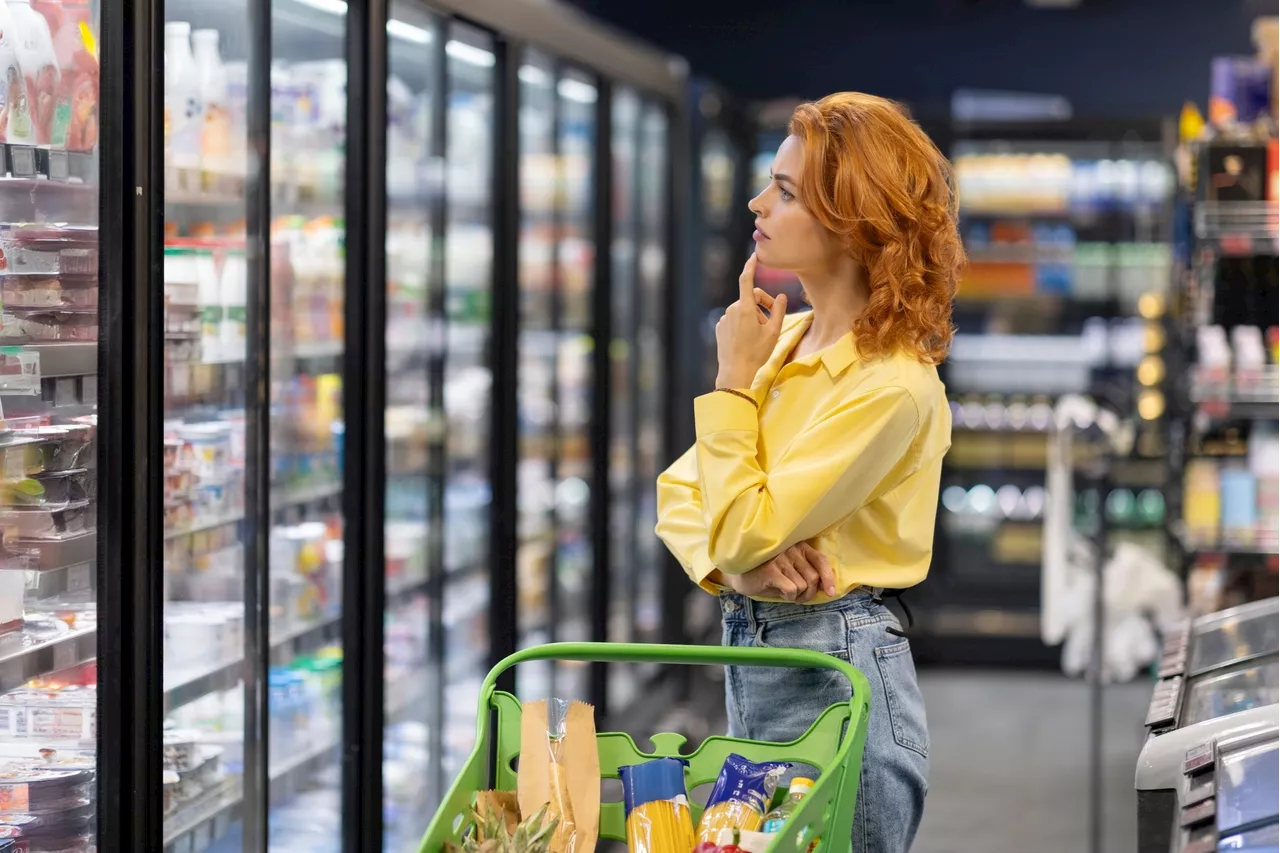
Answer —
407 32
533 75
333 7
576 90
464 52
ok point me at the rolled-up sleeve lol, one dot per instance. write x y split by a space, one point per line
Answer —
680 524
852 455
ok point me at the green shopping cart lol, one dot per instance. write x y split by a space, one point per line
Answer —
833 745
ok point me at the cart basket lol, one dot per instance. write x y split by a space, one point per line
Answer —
833 744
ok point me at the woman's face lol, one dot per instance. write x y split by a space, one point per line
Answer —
787 236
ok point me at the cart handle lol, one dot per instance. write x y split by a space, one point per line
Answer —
684 655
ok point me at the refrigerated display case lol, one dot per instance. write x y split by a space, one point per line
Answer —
307 557
50 352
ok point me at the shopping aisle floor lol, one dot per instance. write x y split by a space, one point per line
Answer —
1010 762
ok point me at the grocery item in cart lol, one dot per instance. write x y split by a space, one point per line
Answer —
657 806
740 797
560 768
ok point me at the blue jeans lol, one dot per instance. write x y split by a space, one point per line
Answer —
779 705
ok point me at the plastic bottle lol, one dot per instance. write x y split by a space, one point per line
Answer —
41 78
76 47
215 136
774 820
15 114
184 112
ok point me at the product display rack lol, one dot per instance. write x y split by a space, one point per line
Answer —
306 349
1223 409
1068 270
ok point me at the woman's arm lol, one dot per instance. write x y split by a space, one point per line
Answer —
680 520
832 469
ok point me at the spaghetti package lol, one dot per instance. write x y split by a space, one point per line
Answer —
560 769
657 806
740 797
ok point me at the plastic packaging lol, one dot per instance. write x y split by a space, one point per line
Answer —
657 807
740 797
560 769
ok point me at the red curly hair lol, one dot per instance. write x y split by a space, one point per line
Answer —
875 179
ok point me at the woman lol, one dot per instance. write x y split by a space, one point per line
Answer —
813 482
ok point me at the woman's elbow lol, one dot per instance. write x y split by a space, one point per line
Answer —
737 556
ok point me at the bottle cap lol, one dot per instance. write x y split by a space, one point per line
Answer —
802 784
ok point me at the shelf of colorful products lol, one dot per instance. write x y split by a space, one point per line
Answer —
1230 524
1058 224
48 456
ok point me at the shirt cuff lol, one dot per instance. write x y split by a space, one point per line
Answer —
718 411
701 570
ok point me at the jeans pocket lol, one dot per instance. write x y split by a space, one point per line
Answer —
906 705
825 631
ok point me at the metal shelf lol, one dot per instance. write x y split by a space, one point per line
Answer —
194 683
195 824
1238 228
25 655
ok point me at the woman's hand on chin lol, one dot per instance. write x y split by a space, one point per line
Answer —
797 575
745 337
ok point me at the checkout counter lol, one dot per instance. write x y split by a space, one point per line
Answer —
1213 707
1229 798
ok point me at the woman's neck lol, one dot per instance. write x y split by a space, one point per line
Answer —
838 297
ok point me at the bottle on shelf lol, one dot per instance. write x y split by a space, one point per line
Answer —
75 46
215 132
41 79
184 112
774 820
15 114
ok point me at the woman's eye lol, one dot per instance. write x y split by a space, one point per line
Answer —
786 196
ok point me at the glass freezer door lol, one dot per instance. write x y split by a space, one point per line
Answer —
624 485
575 277
305 539
48 418
468 280
652 368
414 422
208 176
536 391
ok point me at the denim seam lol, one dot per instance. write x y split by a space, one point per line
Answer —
886 653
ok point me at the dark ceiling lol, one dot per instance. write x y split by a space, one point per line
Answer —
1110 57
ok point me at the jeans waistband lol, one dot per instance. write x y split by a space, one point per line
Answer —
738 608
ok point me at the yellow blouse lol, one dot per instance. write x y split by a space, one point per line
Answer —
843 453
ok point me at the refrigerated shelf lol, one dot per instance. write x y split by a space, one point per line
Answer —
26 655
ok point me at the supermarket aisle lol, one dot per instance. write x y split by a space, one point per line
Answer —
1010 762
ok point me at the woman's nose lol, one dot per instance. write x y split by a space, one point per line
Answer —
756 205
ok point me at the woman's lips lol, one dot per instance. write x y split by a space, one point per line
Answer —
759 236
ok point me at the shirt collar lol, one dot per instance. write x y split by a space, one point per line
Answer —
835 358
